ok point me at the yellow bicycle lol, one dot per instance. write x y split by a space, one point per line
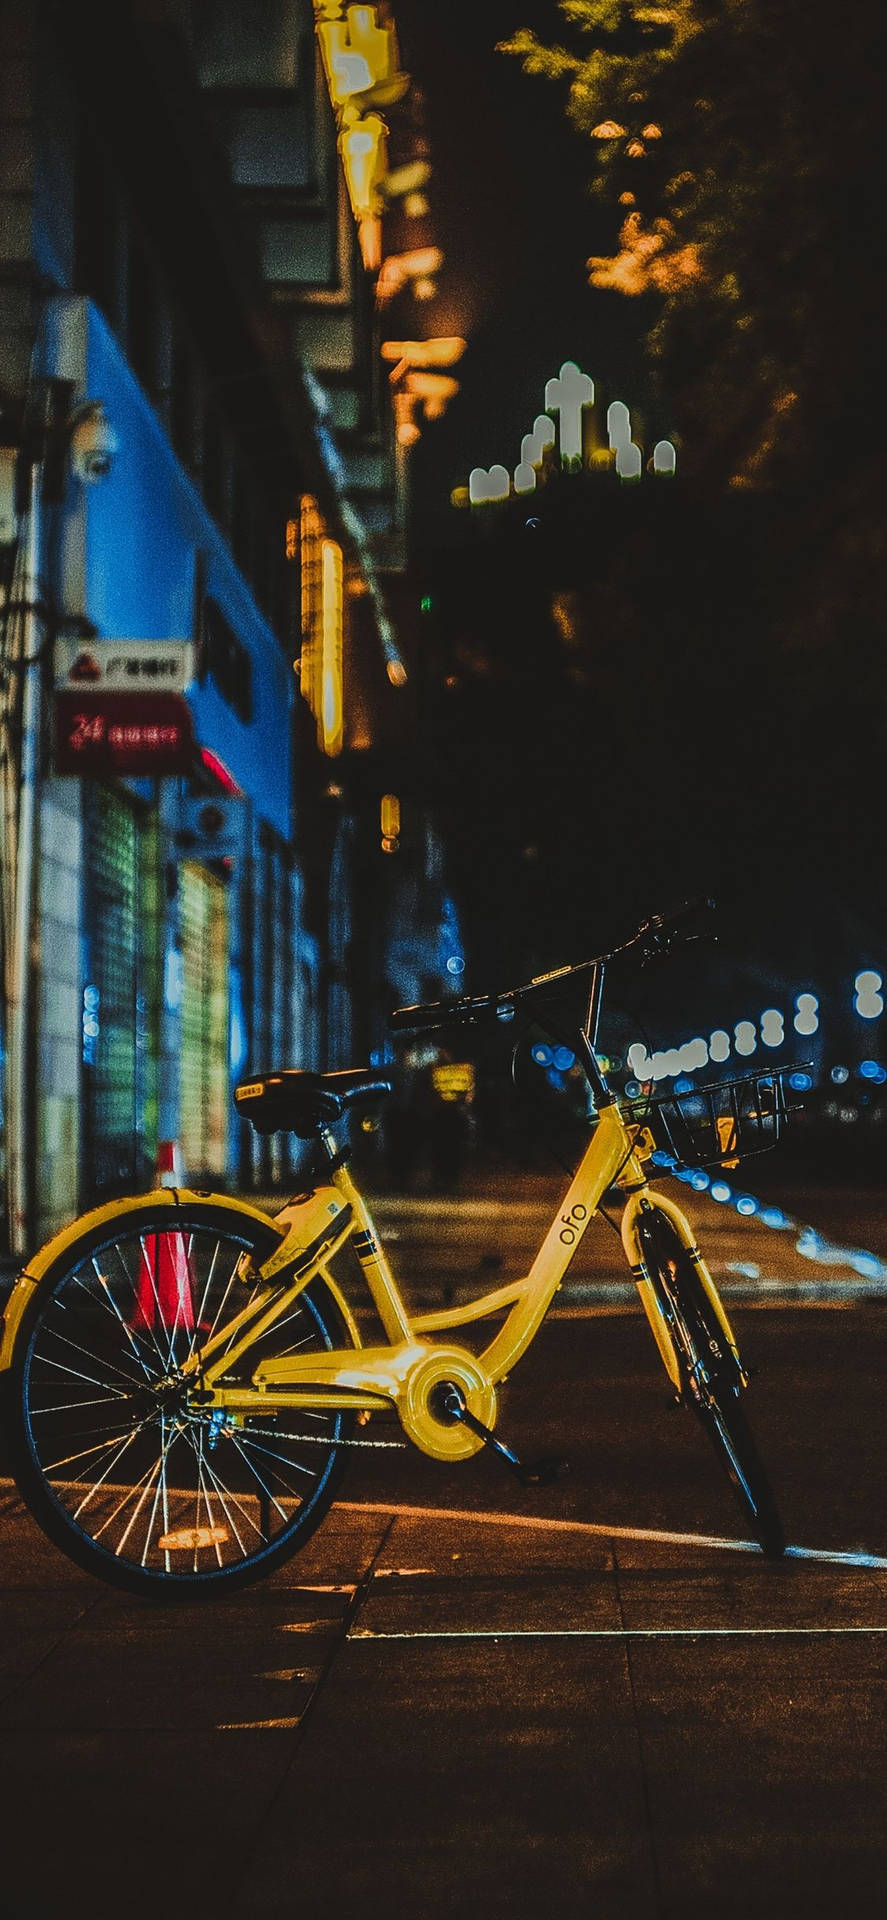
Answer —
185 1376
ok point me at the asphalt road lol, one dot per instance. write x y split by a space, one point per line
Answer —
811 1243
463 1698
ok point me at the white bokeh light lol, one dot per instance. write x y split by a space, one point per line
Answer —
869 1000
772 1027
806 1018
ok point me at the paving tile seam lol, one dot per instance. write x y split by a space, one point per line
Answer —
606 1633
295 1725
332 1632
22 1680
646 1790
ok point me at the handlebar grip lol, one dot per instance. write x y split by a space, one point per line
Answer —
410 1018
443 1013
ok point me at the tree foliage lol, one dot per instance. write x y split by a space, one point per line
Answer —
740 146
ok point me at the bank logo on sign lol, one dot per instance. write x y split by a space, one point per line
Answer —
124 666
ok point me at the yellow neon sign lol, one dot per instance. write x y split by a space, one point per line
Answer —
442 352
360 64
389 821
357 54
362 146
331 669
331 703
320 665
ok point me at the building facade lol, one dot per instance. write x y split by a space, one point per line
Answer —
202 476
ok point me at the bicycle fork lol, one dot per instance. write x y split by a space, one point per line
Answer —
632 1218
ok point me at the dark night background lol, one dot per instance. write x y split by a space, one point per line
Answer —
712 720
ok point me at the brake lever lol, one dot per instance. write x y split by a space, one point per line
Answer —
661 944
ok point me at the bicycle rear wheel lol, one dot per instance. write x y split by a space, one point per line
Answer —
710 1377
118 1466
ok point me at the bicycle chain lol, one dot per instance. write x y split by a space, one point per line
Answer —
317 1439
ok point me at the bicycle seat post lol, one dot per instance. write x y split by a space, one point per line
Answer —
330 1146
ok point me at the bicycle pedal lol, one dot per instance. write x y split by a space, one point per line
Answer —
542 1473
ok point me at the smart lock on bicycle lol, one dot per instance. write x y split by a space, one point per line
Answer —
185 1375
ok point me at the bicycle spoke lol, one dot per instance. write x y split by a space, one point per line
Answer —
131 1379
148 1480
106 1299
161 1481
297 1312
253 1469
129 1494
181 1284
221 1306
272 1454
71 1459
133 1287
67 1406
200 1311
223 1497
58 1366
209 1515
123 1448
150 1268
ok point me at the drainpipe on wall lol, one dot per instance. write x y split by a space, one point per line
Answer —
20 973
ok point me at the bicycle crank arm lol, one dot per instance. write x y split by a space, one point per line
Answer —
531 1473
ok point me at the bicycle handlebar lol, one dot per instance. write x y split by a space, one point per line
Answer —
656 936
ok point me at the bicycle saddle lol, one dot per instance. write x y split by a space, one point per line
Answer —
293 1101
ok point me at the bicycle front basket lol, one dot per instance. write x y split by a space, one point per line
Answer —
717 1125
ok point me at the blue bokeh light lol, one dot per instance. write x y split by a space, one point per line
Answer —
774 1217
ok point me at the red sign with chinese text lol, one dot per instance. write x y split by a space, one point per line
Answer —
97 734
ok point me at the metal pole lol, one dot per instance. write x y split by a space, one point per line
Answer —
20 986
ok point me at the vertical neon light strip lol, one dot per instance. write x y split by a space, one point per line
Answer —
331 671
310 660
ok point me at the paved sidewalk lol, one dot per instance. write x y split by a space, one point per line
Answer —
464 1699
436 1716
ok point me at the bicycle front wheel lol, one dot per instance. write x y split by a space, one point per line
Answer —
710 1377
120 1468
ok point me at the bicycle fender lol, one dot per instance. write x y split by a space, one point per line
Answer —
634 1254
679 1221
31 1276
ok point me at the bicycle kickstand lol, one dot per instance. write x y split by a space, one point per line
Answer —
530 1473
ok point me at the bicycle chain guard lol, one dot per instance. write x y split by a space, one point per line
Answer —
418 1403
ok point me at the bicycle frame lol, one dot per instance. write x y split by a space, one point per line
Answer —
416 1362
403 1373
